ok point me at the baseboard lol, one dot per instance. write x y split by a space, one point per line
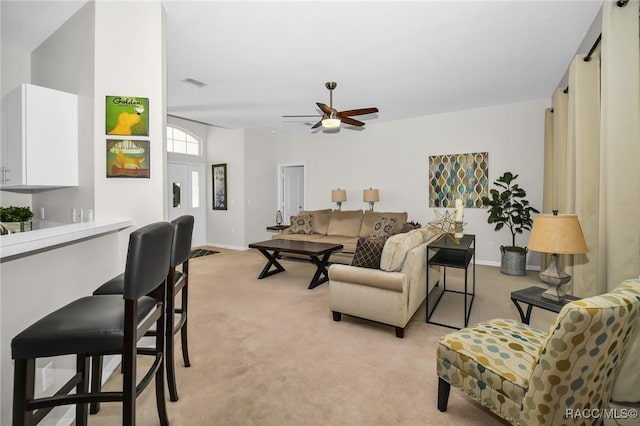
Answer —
226 246
497 265
107 370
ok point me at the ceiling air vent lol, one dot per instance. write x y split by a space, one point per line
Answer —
195 82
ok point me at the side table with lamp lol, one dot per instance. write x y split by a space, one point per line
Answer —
554 234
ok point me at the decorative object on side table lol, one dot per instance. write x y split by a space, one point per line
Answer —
509 207
556 234
338 196
278 217
444 224
16 219
370 196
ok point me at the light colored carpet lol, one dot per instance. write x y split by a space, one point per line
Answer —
267 352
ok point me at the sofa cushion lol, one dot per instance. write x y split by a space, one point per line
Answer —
345 223
370 218
348 243
321 219
301 224
383 227
396 248
368 252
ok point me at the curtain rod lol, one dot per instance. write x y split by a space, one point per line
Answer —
587 58
619 3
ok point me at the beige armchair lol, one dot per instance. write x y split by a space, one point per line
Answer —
389 295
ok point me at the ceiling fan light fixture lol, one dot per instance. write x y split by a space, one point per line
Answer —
331 123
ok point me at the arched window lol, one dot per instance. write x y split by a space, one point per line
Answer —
183 142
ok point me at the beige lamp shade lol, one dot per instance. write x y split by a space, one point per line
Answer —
370 195
559 234
338 195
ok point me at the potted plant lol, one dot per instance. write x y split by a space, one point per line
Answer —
509 208
16 219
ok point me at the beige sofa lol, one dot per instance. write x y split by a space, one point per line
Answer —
343 227
391 294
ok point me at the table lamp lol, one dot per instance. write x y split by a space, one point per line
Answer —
556 234
338 196
371 196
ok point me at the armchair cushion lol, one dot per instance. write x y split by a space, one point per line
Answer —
499 354
301 224
368 252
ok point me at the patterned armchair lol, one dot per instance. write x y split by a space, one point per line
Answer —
530 377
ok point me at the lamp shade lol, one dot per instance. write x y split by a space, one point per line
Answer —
370 195
338 195
559 234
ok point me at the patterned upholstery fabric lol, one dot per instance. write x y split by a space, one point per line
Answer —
383 227
368 252
301 224
532 378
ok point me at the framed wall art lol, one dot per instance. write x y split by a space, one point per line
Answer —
219 176
454 176
127 116
127 158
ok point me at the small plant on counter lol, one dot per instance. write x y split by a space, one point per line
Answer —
15 214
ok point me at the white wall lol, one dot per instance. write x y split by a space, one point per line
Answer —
261 193
130 61
65 61
226 228
393 157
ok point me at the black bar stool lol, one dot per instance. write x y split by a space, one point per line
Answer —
101 325
180 251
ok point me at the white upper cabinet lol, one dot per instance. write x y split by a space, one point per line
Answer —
39 139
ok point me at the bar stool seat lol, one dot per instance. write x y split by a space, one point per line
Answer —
75 328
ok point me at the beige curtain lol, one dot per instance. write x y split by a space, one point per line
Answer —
620 166
583 172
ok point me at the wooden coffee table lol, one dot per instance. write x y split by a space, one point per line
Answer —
271 249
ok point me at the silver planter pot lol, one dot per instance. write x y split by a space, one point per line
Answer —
513 260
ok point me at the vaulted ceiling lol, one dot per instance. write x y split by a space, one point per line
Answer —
262 60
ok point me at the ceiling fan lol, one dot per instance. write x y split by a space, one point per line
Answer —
332 118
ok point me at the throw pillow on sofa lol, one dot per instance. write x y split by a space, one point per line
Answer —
383 227
301 224
368 252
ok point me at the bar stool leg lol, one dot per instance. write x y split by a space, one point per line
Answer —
24 378
96 381
185 304
169 327
82 368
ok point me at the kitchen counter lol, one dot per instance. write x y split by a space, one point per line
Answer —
26 243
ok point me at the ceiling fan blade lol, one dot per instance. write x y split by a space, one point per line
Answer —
318 124
327 110
361 111
351 121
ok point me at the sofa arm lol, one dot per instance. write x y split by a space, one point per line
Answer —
395 281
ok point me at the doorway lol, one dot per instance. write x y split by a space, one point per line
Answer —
291 191
186 188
